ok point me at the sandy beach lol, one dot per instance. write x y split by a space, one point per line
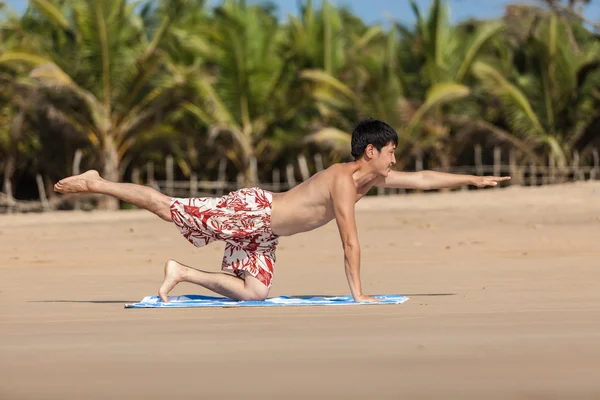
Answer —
504 288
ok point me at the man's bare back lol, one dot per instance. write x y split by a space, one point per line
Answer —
309 205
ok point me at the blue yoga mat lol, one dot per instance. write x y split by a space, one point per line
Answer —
193 300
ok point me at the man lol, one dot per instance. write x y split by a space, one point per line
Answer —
250 221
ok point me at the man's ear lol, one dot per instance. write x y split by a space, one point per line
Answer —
370 151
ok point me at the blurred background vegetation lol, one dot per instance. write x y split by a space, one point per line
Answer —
129 83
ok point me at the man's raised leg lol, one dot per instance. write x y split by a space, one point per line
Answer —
221 283
138 195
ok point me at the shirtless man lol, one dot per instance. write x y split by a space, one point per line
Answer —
250 221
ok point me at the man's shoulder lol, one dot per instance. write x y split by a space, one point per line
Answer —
339 169
340 179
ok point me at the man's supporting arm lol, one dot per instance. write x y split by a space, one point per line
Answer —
428 180
343 195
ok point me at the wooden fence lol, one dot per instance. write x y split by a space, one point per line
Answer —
530 174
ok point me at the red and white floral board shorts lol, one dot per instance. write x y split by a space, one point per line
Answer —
241 219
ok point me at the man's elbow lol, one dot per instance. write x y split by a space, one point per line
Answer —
351 246
422 182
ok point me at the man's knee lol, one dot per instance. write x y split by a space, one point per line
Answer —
163 208
257 296
256 292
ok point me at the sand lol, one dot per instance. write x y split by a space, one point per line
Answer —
504 304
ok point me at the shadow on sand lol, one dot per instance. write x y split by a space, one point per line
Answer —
85 301
293 297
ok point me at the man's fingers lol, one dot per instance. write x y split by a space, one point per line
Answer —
492 180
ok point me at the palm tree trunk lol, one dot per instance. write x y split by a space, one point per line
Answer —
9 168
110 172
250 172
9 165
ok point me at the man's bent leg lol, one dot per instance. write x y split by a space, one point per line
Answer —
138 195
223 284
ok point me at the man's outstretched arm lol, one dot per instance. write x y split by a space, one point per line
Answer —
343 196
428 180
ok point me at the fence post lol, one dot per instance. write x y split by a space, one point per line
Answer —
319 162
419 162
150 173
170 175
289 174
552 168
303 167
497 161
135 176
576 170
513 170
193 184
222 175
42 191
253 170
478 160
276 179
596 168
533 174
76 171
418 167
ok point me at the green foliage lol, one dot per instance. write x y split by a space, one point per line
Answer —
129 82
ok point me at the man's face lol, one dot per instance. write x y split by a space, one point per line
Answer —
386 159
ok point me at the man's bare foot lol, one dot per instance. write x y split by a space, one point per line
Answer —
174 273
77 183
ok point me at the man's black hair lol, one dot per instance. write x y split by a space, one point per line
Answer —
371 131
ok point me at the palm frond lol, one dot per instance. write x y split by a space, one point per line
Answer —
518 109
51 12
439 94
482 37
324 78
338 140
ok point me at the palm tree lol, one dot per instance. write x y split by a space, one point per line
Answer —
247 99
339 56
411 85
101 73
548 97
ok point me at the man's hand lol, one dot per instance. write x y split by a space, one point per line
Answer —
363 298
483 181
